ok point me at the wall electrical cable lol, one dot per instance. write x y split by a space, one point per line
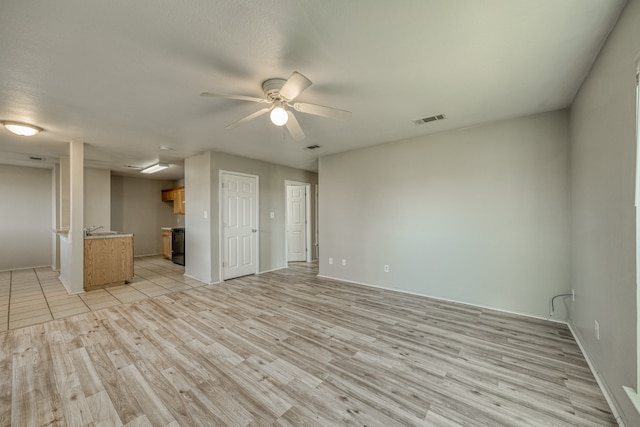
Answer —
553 299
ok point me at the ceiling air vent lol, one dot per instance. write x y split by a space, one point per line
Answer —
429 119
39 159
312 147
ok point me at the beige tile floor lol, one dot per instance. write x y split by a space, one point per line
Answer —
36 295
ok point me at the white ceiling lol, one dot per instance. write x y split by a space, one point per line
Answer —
125 76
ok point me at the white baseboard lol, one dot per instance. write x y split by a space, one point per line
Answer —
601 384
200 280
27 268
259 272
533 316
147 255
273 269
67 287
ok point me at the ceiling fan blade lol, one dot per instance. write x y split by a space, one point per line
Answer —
294 127
294 86
249 117
320 110
240 97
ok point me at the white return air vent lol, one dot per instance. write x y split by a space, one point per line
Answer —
429 119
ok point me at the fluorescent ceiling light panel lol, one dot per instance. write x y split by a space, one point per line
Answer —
22 129
155 168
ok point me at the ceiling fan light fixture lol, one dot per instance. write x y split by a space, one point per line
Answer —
155 168
279 93
22 129
279 116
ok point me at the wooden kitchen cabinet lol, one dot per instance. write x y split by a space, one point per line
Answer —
167 195
175 195
178 201
166 243
107 261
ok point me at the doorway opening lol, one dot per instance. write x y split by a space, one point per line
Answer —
298 221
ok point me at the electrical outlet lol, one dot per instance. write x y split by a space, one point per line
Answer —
330 261
272 215
386 268
573 294
205 214
597 330
344 262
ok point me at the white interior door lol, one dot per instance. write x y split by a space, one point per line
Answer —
296 223
239 225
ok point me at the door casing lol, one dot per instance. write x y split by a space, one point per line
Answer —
307 214
296 223
223 206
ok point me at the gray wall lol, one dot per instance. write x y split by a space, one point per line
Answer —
137 207
477 215
97 198
198 199
272 179
603 154
26 217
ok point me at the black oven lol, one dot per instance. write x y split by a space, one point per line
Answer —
177 245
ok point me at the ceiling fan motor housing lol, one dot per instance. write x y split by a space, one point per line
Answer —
272 88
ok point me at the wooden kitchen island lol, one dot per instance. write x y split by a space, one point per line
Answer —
108 260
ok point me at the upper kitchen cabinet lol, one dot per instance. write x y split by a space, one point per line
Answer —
178 201
167 195
175 195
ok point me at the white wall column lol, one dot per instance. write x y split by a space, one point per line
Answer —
76 232
200 261
55 217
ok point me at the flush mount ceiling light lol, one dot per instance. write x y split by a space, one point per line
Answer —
22 129
279 116
155 168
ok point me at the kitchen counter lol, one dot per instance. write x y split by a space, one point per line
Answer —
108 259
106 234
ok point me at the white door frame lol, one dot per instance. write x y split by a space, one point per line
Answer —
221 226
316 253
307 219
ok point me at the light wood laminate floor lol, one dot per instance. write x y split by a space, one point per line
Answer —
288 348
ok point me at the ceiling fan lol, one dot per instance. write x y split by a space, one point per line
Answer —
280 93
